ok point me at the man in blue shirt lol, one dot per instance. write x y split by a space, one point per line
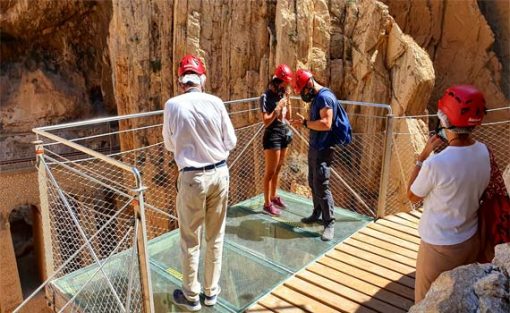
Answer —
320 153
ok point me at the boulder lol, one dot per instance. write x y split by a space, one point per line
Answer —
471 288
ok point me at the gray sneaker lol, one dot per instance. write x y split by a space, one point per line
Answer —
328 233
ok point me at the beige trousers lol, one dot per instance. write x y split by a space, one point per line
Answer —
435 259
202 201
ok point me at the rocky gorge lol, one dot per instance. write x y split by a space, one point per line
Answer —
69 60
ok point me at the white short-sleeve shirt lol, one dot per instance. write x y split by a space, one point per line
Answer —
452 183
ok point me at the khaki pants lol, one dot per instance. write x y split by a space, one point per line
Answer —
202 200
434 259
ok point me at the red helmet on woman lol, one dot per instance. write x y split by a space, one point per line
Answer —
191 63
283 72
301 78
464 105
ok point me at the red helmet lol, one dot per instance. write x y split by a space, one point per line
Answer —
283 72
301 78
191 63
464 105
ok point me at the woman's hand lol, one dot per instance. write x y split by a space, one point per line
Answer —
279 107
433 143
299 121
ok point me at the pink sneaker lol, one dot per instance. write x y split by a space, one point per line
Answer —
279 202
271 209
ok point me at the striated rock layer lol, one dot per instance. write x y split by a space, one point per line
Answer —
355 47
54 68
462 45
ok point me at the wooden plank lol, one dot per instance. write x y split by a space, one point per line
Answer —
368 277
325 296
370 272
399 227
409 217
279 305
372 268
396 233
376 259
348 293
382 252
416 213
258 308
360 286
401 221
389 238
299 299
386 245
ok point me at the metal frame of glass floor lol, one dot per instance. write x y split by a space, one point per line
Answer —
260 253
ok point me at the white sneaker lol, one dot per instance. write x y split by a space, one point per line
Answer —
211 300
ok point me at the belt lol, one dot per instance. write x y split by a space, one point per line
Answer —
205 168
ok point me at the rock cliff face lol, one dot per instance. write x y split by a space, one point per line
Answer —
497 14
461 44
54 67
354 46
56 55
66 60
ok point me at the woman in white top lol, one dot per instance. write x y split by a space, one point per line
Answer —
450 183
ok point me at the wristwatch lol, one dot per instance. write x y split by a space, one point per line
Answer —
419 163
305 123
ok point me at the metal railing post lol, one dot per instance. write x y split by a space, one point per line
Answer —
141 242
49 266
385 169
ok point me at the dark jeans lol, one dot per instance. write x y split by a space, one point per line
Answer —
319 172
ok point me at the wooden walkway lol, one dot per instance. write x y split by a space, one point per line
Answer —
372 271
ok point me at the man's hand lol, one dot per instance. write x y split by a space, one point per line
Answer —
299 121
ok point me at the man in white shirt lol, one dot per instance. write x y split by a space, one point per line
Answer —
198 131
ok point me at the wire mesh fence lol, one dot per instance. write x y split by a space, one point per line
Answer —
91 227
93 200
409 135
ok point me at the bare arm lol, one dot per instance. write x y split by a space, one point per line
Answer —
410 195
268 118
322 124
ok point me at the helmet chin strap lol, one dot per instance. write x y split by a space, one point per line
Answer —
202 82
313 84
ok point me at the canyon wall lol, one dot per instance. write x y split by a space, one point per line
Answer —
353 46
56 55
468 42
72 60
54 68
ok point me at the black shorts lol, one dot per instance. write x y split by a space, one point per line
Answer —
277 138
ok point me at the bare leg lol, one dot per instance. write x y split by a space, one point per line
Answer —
271 158
276 177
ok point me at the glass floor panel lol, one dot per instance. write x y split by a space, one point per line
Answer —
260 253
